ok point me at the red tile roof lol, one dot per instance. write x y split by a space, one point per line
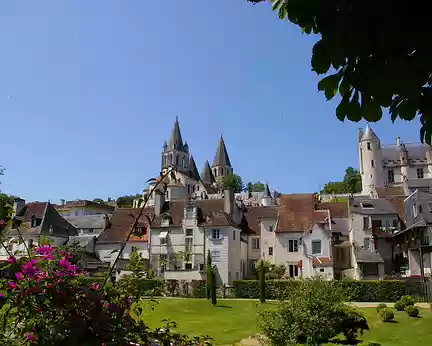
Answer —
338 210
255 214
322 261
296 213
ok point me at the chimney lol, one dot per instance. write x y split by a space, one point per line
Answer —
62 201
360 134
159 200
398 142
228 201
18 206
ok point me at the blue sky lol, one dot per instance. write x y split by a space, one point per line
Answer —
89 91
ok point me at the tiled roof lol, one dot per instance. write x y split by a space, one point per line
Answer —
398 203
79 203
338 210
322 261
207 174
36 209
381 206
390 191
121 224
296 213
321 216
255 214
220 219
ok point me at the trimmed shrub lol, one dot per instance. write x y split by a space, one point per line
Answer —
386 314
360 291
381 306
198 288
412 310
399 306
407 300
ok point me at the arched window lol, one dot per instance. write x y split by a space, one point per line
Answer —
169 159
184 164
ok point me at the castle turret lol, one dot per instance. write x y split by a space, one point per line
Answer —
221 164
267 199
175 154
404 162
371 165
429 160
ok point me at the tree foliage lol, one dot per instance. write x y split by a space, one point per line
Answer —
262 281
376 55
350 184
255 187
232 181
6 203
99 200
127 201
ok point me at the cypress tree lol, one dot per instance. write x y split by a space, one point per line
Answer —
262 281
209 272
213 288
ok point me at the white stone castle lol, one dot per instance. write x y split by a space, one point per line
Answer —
404 165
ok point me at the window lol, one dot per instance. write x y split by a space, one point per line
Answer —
184 162
188 244
373 163
322 270
163 261
420 209
270 228
30 243
255 243
293 245
368 145
189 232
366 243
293 270
215 256
316 246
367 205
215 233
222 171
197 187
270 250
366 223
387 223
177 160
420 173
91 230
188 266
189 211
133 249
390 176
395 223
234 232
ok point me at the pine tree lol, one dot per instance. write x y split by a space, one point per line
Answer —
262 281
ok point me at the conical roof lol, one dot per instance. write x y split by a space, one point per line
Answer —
207 174
267 191
221 158
176 141
369 135
193 169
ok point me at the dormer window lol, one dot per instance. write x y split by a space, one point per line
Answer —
367 205
166 221
189 212
35 222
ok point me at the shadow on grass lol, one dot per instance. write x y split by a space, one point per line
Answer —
392 321
224 306
345 342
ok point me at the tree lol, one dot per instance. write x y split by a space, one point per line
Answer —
350 184
232 181
127 201
376 59
213 287
6 203
262 281
99 200
209 274
255 187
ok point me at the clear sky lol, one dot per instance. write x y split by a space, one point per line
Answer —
89 91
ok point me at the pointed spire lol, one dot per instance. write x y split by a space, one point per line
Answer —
267 190
165 146
176 141
221 158
207 174
193 169
369 135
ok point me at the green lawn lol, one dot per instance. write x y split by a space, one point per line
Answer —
234 320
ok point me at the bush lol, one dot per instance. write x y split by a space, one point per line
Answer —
314 314
386 314
412 310
198 288
407 300
355 290
399 306
381 306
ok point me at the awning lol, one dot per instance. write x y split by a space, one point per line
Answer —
163 234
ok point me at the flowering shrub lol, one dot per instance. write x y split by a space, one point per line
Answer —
52 302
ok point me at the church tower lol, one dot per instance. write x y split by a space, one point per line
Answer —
221 164
175 153
371 165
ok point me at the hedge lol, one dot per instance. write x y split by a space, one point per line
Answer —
360 291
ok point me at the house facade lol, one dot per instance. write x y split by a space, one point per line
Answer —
83 208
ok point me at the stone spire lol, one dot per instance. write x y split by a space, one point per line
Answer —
221 159
193 169
176 141
207 174
267 191
369 135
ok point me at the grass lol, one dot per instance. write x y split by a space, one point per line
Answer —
233 320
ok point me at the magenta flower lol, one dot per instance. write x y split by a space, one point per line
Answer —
95 286
13 285
64 263
12 259
30 337
29 269
19 276
2 296
46 252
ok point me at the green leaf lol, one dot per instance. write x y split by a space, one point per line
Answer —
407 110
341 110
320 61
371 109
330 85
354 112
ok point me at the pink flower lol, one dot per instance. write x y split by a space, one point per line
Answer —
46 252
64 263
19 276
95 286
12 259
30 337
2 296
29 268
13 285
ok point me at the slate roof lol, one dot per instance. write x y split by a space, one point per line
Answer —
366 256
193 169
95 222
415 151
369 135
255 214
296 213
220 219
221 158
176 141
381 206
207 174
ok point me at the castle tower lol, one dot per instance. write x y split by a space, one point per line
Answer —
221 164
175 153
267 199
371 165
404 161
429 160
